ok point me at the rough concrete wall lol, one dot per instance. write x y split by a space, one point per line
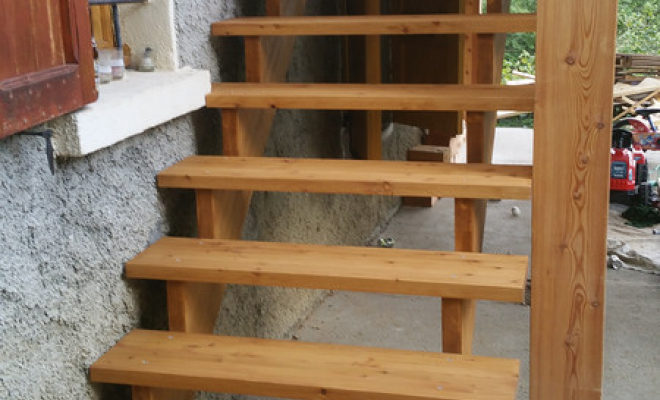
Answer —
64 238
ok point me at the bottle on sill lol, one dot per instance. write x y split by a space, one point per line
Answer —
97 79
147 64
105 65
117 64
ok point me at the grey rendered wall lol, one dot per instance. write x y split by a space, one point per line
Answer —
64 238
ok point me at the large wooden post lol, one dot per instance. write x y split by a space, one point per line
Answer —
575 73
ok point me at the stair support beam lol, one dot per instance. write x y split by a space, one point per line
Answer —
482 64
374 119
363 65
575 69
193 307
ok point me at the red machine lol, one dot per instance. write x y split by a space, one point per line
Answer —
623 171
629 170
645 133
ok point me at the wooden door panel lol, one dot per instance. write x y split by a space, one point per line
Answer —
46 61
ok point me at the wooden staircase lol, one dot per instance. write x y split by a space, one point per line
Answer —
170 365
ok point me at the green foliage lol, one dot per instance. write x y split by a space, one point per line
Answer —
520 52
519 121
638 29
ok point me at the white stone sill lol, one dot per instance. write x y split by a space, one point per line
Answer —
142 100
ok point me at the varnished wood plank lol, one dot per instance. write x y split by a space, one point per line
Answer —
76 37
433 24
371 97
41 31
575 66
458 325
194 306
470 214
221 214
31 37
355 59
7 50
458 315
431 154
374 118
423 59
412 272
102 26
384 178
25 48
301 370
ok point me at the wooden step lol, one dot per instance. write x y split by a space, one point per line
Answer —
299 370
304 96
411 272
376 25
384 178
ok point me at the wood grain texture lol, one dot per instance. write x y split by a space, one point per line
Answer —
376 25
373 66
431 154
371 97
412 272
575 68
102 26
194 306
384 178
77 39
355 59
47 63
301 370
423 59
484 51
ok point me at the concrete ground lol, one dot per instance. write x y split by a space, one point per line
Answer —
632 361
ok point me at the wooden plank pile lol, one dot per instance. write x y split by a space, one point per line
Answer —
631 97
631 68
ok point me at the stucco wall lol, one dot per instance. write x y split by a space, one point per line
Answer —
64 237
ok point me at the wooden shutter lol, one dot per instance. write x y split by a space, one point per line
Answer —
46 61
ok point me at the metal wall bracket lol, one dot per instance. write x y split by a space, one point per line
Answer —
50 152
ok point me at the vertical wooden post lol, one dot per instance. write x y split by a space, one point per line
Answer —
363 65
374 76
481 65
458 314
575 70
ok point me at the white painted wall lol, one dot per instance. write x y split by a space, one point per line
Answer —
151 24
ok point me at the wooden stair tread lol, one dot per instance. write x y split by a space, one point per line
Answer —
411 272
404 97
376 25
385 178
299 370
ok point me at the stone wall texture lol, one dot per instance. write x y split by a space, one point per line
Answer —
64 238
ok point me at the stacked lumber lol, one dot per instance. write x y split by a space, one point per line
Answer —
635 67
631 97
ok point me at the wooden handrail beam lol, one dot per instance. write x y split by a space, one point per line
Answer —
376 25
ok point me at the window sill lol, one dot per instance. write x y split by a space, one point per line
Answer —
131 106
